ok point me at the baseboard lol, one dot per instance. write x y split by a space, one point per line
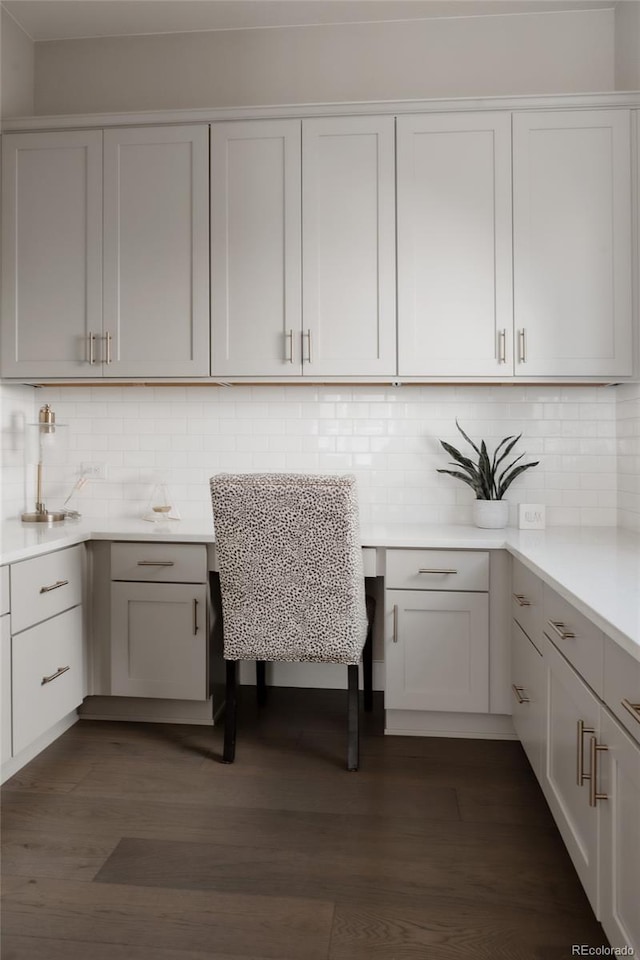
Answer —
146 710
478 726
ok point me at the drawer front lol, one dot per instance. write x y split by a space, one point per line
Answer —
528 696
45 586
5 604
622 686
437 570
159 562
47 675
576 638
526 601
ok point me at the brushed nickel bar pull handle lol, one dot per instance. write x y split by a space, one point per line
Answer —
156 563
108 338
54 586
522 345
306 359
91 338
395 623
195 617
633 708
442 570
53 676
595 749
581 776
289 336
521 600
502 345
560 630
518 692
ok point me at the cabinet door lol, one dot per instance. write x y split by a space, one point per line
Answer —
573 716
5 689
572 243
454 245
437 651
620 836
255 248
528 689
51 253
348 264
159 640
156 252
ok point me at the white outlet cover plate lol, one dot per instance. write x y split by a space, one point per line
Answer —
531 516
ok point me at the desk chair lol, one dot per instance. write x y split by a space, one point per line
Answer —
292 582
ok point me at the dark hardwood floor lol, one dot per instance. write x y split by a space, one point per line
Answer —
132 842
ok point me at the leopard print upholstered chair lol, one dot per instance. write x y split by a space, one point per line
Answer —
291 581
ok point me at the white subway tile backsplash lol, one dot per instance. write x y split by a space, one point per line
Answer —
586 438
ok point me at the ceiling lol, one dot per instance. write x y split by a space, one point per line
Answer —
66 19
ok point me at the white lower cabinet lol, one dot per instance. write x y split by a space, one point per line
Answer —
5 689
619 815
159 640
528 689
48 675
573 721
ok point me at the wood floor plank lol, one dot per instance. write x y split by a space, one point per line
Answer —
40 948
38 854
153 918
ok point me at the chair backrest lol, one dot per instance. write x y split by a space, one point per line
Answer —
290 563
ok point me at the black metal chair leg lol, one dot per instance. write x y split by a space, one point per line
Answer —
353 743
230 712
261 682
367 670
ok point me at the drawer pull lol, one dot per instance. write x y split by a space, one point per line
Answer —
581 776
195 617
54 586
518 692
521 600
156 563
559 628
595 749
395 623
633 708
53 676
435 570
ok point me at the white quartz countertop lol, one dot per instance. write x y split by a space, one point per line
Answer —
595 568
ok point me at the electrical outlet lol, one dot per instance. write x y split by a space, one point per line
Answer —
94 470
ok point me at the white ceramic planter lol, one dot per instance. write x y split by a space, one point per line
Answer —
491 513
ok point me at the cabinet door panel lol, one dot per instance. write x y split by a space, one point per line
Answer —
569 701
255 248
528 689
437 651
348 207
572 242
620 836
51 253
454 245
159 640
156 288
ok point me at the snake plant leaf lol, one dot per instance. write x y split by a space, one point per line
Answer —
486 477
508 480
461 476
462 460
468 439
498 460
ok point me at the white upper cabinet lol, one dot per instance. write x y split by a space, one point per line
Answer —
348 246
303 247
156 252
255 248
455 314
51 253
572 243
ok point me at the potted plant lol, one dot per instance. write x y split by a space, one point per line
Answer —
487 477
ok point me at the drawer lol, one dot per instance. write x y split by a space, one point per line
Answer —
45 586
159 562
47 674
576 638
526 601
437 570
622 686
5 604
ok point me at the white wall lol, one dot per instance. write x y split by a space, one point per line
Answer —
387 437
628 432
627 45
17 408
17 69
457 57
